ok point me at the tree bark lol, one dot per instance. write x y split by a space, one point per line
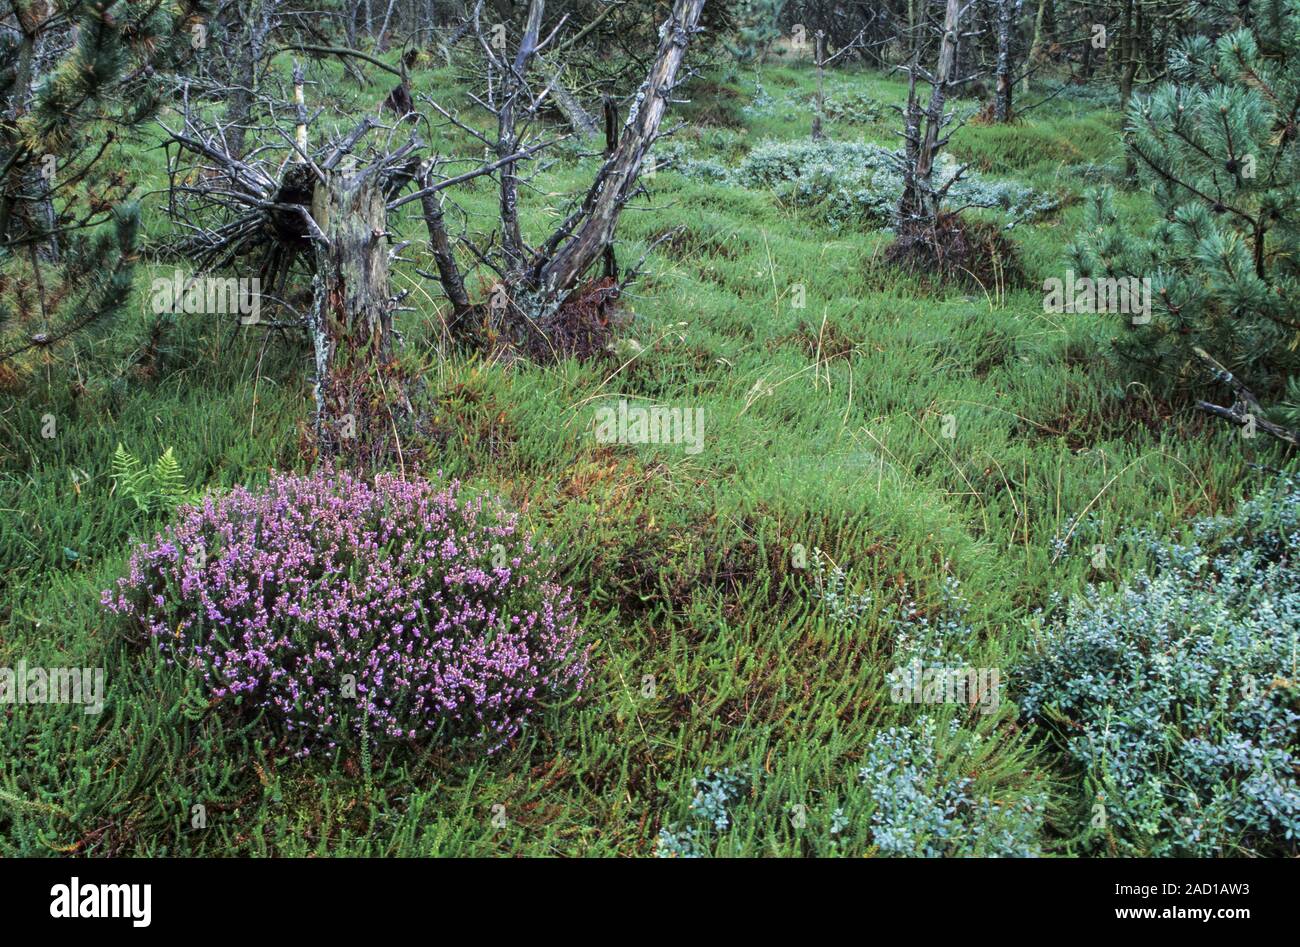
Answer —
617 178
1005 66
611 145
507 141
351 318
1035 46
919 201
448 272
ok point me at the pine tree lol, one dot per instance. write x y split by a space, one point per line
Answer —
1216 148
77 80
757 23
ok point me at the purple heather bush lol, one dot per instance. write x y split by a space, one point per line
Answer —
338 604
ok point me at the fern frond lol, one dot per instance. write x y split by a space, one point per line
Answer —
129 477
168 482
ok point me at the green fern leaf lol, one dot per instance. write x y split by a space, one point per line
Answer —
168 482
129 478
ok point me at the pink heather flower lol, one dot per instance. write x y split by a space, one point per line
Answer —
323 586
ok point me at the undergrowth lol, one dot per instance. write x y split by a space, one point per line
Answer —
918 435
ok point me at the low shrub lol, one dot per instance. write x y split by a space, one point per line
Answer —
917 810
853 106
848 183
1178 694
338 606
937 634
715 795
909 799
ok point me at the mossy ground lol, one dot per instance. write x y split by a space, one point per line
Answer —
824 428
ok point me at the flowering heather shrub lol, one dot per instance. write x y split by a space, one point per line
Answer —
1178 694
338 605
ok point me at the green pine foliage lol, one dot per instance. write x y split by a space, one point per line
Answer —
69 218
757 24
1216 148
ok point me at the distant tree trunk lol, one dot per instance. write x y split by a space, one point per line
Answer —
382 41
1035 45
1128 52
570 107
1007 10
919 202
1128 48
248 53
819 51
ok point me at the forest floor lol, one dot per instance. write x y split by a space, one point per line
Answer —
932 443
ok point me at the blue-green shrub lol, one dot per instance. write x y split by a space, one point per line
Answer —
851 183
909 798
1178 693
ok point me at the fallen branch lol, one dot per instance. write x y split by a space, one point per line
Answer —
1246 409
344 51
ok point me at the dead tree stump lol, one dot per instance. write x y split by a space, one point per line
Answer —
351 321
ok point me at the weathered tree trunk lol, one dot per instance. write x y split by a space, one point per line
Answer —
617 177
351 319
1007 10
942 77
919 202
1035 45
449 275
819 52
611 146
512 240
